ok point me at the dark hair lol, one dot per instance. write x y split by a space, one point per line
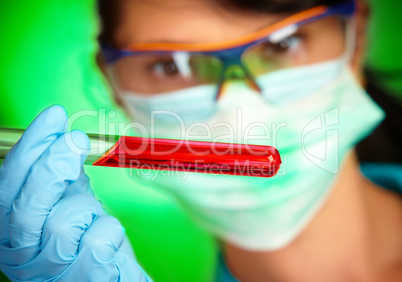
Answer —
277 6
108 10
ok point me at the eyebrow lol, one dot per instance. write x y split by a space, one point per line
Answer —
259 34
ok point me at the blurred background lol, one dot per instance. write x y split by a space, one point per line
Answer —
47 56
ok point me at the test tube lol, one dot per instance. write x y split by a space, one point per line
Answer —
171 154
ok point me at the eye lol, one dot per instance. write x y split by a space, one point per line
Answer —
165 68
284 46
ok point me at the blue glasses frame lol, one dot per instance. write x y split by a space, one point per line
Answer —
229 56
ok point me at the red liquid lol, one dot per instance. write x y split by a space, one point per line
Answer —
193 156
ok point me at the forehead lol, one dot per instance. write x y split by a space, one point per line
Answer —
187 21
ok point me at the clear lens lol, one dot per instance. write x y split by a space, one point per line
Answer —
313 42
161 73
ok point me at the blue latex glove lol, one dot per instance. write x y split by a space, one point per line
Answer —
51 226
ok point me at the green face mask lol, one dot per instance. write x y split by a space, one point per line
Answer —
313 136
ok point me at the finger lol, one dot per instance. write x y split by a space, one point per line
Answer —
98 245
42 132
102 239
129 270
46 182
63 229
80 186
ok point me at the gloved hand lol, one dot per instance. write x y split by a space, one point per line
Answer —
51 226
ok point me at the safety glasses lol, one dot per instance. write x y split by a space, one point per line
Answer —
156 68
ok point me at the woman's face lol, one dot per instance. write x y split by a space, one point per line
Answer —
201 21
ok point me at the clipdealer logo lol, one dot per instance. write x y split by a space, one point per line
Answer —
323 154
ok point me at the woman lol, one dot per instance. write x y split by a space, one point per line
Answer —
290 73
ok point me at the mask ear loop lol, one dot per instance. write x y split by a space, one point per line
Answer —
350 44
350 39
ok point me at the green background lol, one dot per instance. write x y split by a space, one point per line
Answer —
47 56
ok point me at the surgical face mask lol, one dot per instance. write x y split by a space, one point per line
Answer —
313 131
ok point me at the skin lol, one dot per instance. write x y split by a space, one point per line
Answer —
348 240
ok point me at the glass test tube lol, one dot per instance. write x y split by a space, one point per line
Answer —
171 154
